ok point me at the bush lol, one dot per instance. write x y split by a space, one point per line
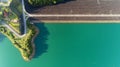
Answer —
44 2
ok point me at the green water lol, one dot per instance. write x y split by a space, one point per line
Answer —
69 45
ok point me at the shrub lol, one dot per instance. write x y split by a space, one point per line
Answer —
44 2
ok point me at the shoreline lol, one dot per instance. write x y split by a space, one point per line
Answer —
32 42
25 45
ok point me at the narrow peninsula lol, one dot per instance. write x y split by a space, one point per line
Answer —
12 25
15 25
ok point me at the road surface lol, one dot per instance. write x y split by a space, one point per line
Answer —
12 30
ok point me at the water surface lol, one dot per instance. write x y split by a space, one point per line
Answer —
69 45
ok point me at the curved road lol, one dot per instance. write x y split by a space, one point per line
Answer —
24 22
18 35
7 26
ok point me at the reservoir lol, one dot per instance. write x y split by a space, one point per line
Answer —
68 45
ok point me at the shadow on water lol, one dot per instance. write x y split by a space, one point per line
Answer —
2 37
31 9
40 40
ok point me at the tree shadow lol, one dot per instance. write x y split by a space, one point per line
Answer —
40 41
30 8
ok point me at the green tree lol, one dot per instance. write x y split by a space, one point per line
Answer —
44 2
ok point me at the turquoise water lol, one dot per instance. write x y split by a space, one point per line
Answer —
69 45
